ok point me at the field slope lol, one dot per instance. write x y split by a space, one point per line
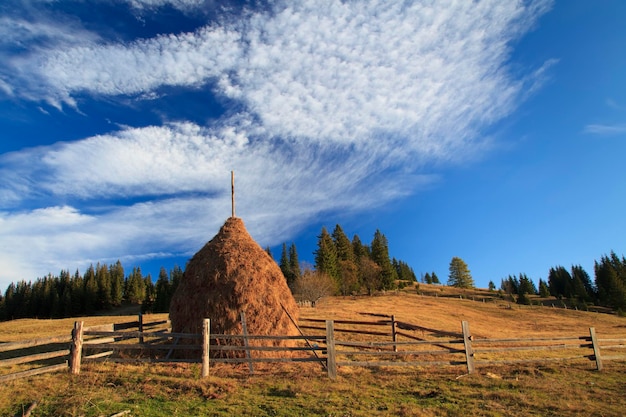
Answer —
176 390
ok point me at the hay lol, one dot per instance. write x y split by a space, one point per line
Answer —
231 274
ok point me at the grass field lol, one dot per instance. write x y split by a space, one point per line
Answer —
176 389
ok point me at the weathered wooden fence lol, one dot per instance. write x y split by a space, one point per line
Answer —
332 344
42 355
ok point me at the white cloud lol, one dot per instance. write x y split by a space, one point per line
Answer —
334 96
605 130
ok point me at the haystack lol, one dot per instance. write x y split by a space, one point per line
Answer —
231 274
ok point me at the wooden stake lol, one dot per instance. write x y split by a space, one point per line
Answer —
232 192
469 351
206 337
76 348
244 329
331 363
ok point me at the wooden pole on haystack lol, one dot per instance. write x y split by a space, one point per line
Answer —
232 190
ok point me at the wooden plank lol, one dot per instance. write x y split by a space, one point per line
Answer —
4 347
135 346
246 343
98 355
136 335
536 360
389 363
409 326
384 344
394 337
206 335
331 364
469 352
596 348
361 323
32 358
531 348
532 340
32 372
76 347
400 353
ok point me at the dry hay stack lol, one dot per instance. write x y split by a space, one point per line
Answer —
231 274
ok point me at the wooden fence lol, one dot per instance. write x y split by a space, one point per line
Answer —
332 344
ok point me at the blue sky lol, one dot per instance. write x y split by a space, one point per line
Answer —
493 131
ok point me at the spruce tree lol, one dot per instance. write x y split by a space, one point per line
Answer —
460 275
326 255
380 255
162 299
285 266
294 263
116 272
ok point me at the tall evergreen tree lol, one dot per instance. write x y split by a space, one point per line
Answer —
560 282
460 275
103 277
326 255
611 281
90 295
435 278
116 272
345 252
581 282
544 290
162 300
359 249
294 263
285 266
380 255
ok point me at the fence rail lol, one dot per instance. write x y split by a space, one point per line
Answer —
340 343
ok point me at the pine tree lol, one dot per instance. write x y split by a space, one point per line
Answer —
435 278
544 290
326 255
135 287
103 277
285 266
294 263
460 275
560 282
348 281
90 294
492 286
345 251
116 272
380 255
359 249
162 300
427 278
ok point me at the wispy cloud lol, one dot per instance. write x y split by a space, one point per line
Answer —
605 129
326 99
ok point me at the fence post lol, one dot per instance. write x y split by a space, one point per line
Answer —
76 348
331 363
140 327
206 337
596 348
394 336
469 352
246 343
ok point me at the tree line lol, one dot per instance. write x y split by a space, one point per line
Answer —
345 266
608 288
100 288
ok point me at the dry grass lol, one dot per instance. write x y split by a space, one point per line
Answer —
177 390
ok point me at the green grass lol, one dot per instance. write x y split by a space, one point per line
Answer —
176 390
571 389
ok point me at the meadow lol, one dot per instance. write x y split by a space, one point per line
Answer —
106 389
